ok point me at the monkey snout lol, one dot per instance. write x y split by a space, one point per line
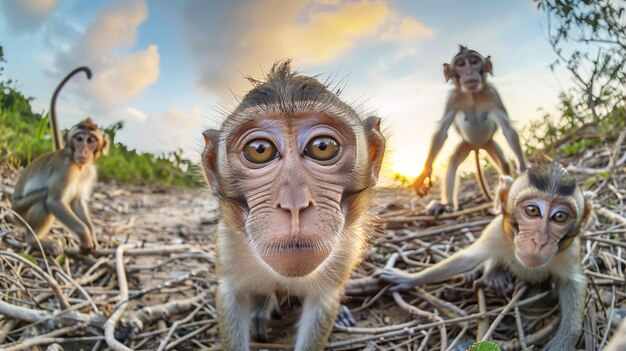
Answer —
296 257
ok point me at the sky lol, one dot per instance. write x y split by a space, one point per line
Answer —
169 69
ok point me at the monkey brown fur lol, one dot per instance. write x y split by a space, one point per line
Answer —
476 110
292 168
535 238
56 185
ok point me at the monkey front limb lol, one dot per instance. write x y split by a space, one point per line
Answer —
65 215
510 135
460 262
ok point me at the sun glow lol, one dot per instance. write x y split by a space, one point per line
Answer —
405 164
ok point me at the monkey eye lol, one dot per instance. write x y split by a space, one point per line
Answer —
91 139
460 63
322 148
532 211
259 151
473 60
79 138
560 217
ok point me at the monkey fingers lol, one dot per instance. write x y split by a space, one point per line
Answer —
500 282
402 281
344 317
420 186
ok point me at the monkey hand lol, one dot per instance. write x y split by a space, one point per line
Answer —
88 246
420 186
402 281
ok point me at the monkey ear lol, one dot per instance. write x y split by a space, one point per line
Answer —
209 155
106 143
488 65
376 145
447 72
587 214
66 136
499 201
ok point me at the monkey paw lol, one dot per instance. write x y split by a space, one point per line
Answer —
402 281
344 317
499 282
436 208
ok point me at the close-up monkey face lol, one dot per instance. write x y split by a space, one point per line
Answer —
291 171
85 145
542 223
468 70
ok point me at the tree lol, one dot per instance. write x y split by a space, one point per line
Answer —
589 38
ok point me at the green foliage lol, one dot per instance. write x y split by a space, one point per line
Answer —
25 135
589 39
484 346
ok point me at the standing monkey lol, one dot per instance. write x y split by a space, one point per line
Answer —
292 168
476 110
535 238
56 185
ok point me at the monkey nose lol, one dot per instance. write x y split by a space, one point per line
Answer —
294 200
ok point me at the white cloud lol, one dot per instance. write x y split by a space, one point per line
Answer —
171 130
26 16
136 113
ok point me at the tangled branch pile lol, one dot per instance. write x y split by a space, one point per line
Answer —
147 290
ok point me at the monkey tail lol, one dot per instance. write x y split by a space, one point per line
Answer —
54 126
480 177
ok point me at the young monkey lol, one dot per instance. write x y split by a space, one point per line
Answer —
476 110
292 168
535 238
56 185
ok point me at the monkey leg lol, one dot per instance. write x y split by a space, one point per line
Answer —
233 310
40 220
263 310
317 320
449 187
572 301
498 158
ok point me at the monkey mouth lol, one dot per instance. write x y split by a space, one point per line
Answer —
532 261
295 257
472 84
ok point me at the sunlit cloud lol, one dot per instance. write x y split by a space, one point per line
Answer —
310 33
119 75
26 16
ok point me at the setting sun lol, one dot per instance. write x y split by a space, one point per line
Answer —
406 163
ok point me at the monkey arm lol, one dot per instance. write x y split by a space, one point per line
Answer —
317 320
461 262
63 212
572 301
440 136
511 135
233 311
80 209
